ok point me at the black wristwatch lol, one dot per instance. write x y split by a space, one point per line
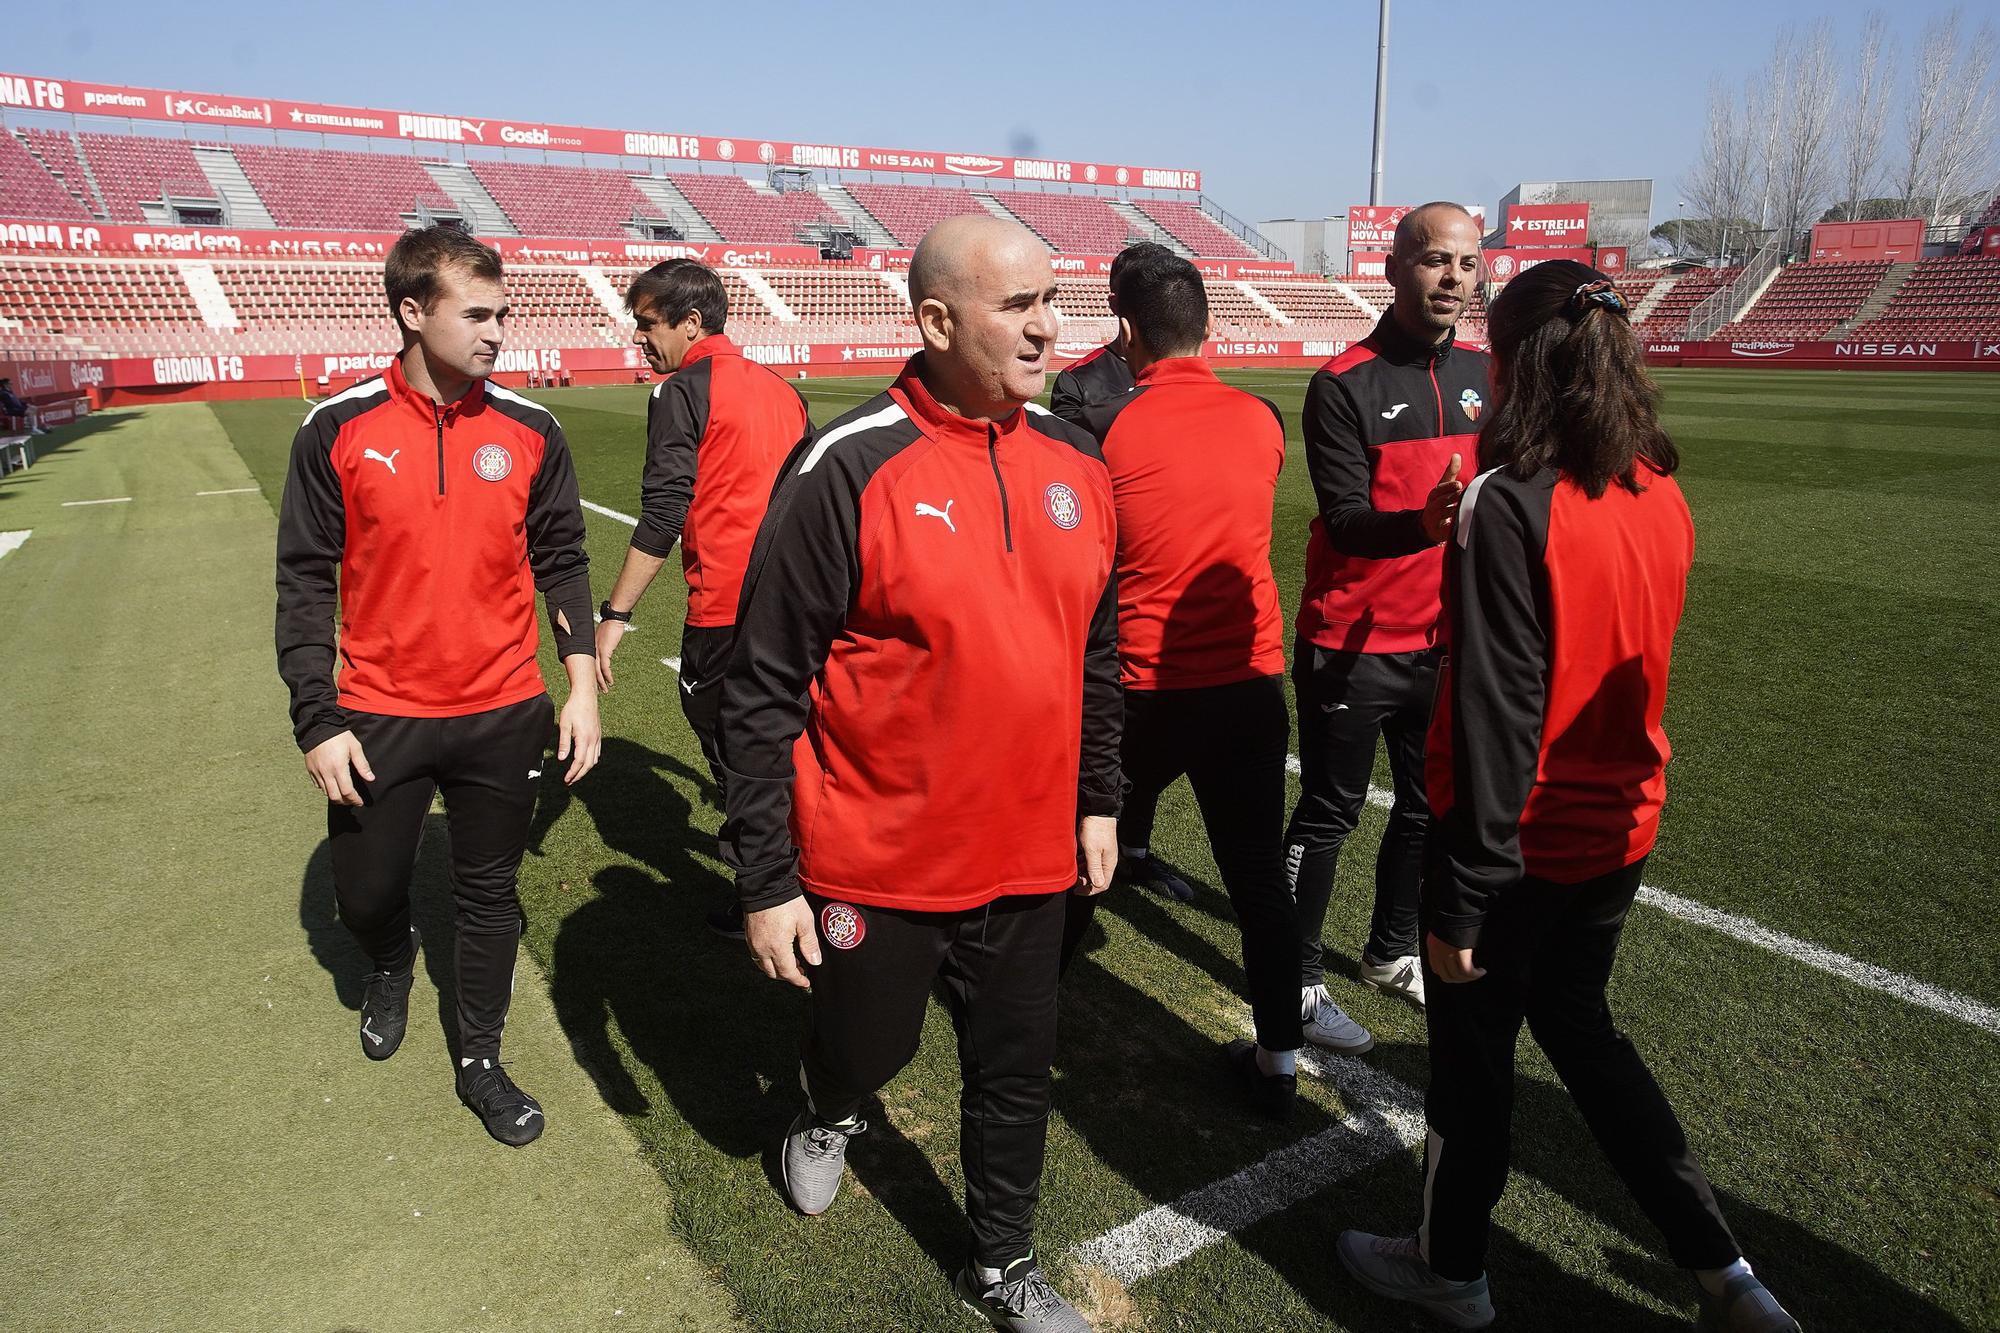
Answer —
604 612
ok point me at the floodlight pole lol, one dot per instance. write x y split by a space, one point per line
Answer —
1381 102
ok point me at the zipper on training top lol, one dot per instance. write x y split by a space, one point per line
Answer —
1438 394
437 415
993 454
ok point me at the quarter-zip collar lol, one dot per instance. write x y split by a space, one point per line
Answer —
1397 346
433 412
715 344
938 421
1178 370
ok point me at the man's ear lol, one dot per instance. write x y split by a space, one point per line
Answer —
412 311
934 322
692 328
1129 335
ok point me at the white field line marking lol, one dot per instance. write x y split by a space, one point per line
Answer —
237 490
673 664
11 541
626 519
1384 1116
1868 975
117 500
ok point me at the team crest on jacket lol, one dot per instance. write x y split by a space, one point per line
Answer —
1060 501
492 462
1470 403
842 925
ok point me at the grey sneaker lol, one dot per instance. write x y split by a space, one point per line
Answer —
1745 1306
814 1155
1394 1266
1022 1301
1328 1026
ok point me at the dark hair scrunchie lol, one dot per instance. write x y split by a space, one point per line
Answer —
1599 293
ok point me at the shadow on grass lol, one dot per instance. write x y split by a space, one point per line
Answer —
49 448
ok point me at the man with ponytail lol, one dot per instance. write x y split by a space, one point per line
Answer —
1546 763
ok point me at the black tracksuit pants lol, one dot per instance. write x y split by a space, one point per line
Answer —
488 766
1345 701
1548 950
997 966
1230 742
705 653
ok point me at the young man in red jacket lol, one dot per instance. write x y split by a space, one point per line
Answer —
1388 425
920 726
718 429
443 504
1194 468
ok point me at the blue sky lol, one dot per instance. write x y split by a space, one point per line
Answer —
1272 102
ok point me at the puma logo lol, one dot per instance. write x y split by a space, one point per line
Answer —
1394 412
527 1115
389 462
374 1037
930 511
534 772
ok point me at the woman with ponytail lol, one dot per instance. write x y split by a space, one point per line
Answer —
1563 585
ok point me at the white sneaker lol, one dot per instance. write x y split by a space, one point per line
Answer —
1399 976
1329 1027
1393 1266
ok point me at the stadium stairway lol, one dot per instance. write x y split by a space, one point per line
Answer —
209 298
673 204
605 291
1263 303
865 224
1148 228
1361 302
768 294
1878 300
1001 211
1644 310
241 206
475 205
73 173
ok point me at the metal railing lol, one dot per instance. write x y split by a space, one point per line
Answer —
1721 305
1248 234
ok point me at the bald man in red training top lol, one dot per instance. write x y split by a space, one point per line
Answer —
1194 467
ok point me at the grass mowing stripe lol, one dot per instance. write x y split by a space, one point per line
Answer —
1384 1116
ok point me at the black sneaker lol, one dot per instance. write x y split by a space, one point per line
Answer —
511 1116
1147 872
1022 1301
727 921
1270 1094
385 1008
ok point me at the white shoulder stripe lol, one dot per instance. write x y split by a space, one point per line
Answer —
888 416
1038 408
365 389
1465 503
657 387
510 396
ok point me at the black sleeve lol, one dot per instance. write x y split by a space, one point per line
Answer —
1066 399
1338 461
312 532
555 547
796 594
1099 783
676 418
1496 595
1098 417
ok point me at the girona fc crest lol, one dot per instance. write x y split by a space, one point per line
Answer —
1471 404
1060 501
492 462
842 925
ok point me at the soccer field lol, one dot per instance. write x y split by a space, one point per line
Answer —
1828 1028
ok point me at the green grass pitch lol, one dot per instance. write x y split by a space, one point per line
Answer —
1834 722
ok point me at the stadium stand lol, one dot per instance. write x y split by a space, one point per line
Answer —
1669 318
1195 229
1807 301
339 191
745 215
27 190
543 199
80 305
1081 224
132 170
1953 296
58 153
746 305
908 211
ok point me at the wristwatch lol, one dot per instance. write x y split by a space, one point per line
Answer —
604 612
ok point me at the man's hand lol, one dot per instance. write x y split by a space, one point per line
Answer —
580 736
1451 964
1441 508
1097 850
609 633
779 936
328 763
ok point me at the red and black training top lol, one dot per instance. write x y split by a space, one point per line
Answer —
442 522
1546 755
1096 378
923 697
717 432
1382 421
1194 469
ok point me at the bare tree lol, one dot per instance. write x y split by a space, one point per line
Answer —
1963 160
1867 121
1722 186
1804 96
1926 105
